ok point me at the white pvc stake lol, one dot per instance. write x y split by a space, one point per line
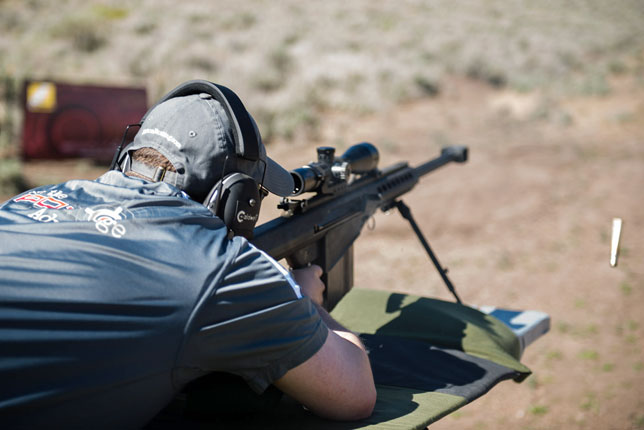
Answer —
614 248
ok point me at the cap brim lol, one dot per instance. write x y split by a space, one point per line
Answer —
278 180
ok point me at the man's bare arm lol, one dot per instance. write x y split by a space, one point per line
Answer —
336 382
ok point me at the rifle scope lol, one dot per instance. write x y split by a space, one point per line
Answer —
329 171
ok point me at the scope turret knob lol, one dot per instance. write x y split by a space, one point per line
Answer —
326 154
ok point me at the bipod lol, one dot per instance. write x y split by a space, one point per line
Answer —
406 213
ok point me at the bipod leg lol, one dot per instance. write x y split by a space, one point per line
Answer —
406 213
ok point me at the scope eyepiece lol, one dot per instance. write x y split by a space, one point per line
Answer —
305 179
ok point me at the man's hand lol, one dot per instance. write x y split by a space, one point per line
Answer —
308 278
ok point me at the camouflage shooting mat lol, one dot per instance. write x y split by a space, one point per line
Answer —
429 358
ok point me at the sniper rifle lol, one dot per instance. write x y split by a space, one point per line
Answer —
338 196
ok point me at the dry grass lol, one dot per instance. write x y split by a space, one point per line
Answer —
291 62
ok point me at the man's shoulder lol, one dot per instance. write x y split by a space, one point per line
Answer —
111 207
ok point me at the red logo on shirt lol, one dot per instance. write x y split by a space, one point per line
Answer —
43 201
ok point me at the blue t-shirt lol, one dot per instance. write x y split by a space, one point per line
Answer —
115 293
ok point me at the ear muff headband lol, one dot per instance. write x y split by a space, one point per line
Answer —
244 134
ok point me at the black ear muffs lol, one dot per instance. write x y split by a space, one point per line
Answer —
236 198
236 201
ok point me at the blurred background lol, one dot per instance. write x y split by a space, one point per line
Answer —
548 96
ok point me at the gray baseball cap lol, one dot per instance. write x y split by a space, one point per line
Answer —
196 135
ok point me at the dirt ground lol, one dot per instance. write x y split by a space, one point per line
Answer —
525 224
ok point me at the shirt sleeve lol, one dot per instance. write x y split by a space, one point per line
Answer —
254 322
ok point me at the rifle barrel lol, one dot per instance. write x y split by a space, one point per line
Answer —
455 153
